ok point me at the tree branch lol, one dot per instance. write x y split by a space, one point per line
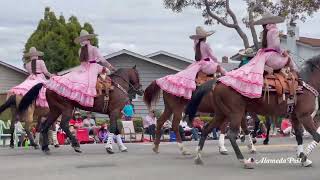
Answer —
217 18
251 26
231 13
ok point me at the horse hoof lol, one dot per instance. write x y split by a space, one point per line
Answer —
11 146
223 151
46 150
249 164
198 161
109 150
155 150
77 149
265 142
254 140
124 150
307 163
186 153
36 147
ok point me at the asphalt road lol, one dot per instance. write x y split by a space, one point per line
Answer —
142 164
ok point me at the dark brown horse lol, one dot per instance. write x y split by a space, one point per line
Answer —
176 105
126 82
33 111
231 106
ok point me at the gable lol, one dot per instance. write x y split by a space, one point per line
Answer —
178 63
10 78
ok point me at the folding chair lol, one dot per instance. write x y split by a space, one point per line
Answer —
128 129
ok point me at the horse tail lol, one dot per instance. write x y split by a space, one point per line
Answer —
29 98
200 92
11 101
151 94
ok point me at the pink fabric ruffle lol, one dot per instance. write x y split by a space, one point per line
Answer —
243 86
78 85
177 86
71 92
25 86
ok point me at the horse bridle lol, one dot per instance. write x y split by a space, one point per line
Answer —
309 87
122 89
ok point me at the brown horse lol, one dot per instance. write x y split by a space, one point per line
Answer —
176 105
231 106
126 82
13 102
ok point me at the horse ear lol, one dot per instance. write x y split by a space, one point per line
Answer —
134 67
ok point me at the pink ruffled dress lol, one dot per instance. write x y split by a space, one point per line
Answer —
80 84
248 79
183 83
32 80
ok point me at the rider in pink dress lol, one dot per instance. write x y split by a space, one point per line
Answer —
248 79
38 70
80 84
183 83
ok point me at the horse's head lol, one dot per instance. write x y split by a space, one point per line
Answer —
134 80
311 72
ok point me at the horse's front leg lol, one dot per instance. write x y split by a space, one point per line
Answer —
115 131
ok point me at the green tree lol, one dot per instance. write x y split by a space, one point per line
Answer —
54 36
220 12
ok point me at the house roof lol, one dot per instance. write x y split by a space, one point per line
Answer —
170 55
14 68
305 40
130 53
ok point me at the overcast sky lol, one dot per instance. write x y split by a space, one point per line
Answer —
142 26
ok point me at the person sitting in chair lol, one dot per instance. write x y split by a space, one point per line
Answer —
149 124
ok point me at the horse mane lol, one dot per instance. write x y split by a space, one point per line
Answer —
309 66
118 72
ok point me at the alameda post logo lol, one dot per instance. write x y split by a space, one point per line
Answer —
288 160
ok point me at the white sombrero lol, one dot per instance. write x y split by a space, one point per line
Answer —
249 52
33 52
269 18
84 35
201 33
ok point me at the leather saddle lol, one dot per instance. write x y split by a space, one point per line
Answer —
202 78
103 85
283 82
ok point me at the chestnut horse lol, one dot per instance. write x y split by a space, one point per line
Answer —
126 82
231 106
13 102
176 105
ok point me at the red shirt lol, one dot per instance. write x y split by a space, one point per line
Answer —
197 123
77 122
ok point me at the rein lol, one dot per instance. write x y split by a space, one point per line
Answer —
121 88
309 87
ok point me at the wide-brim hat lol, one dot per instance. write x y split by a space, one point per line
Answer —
84 35
33 52
269 18
201 33
249 52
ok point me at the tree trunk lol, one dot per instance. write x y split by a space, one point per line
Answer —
243 37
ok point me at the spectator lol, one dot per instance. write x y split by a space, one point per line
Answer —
20 131
90 124
103 133
167 126
187 129
75 122
149 124
198 123
286 126
128 111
